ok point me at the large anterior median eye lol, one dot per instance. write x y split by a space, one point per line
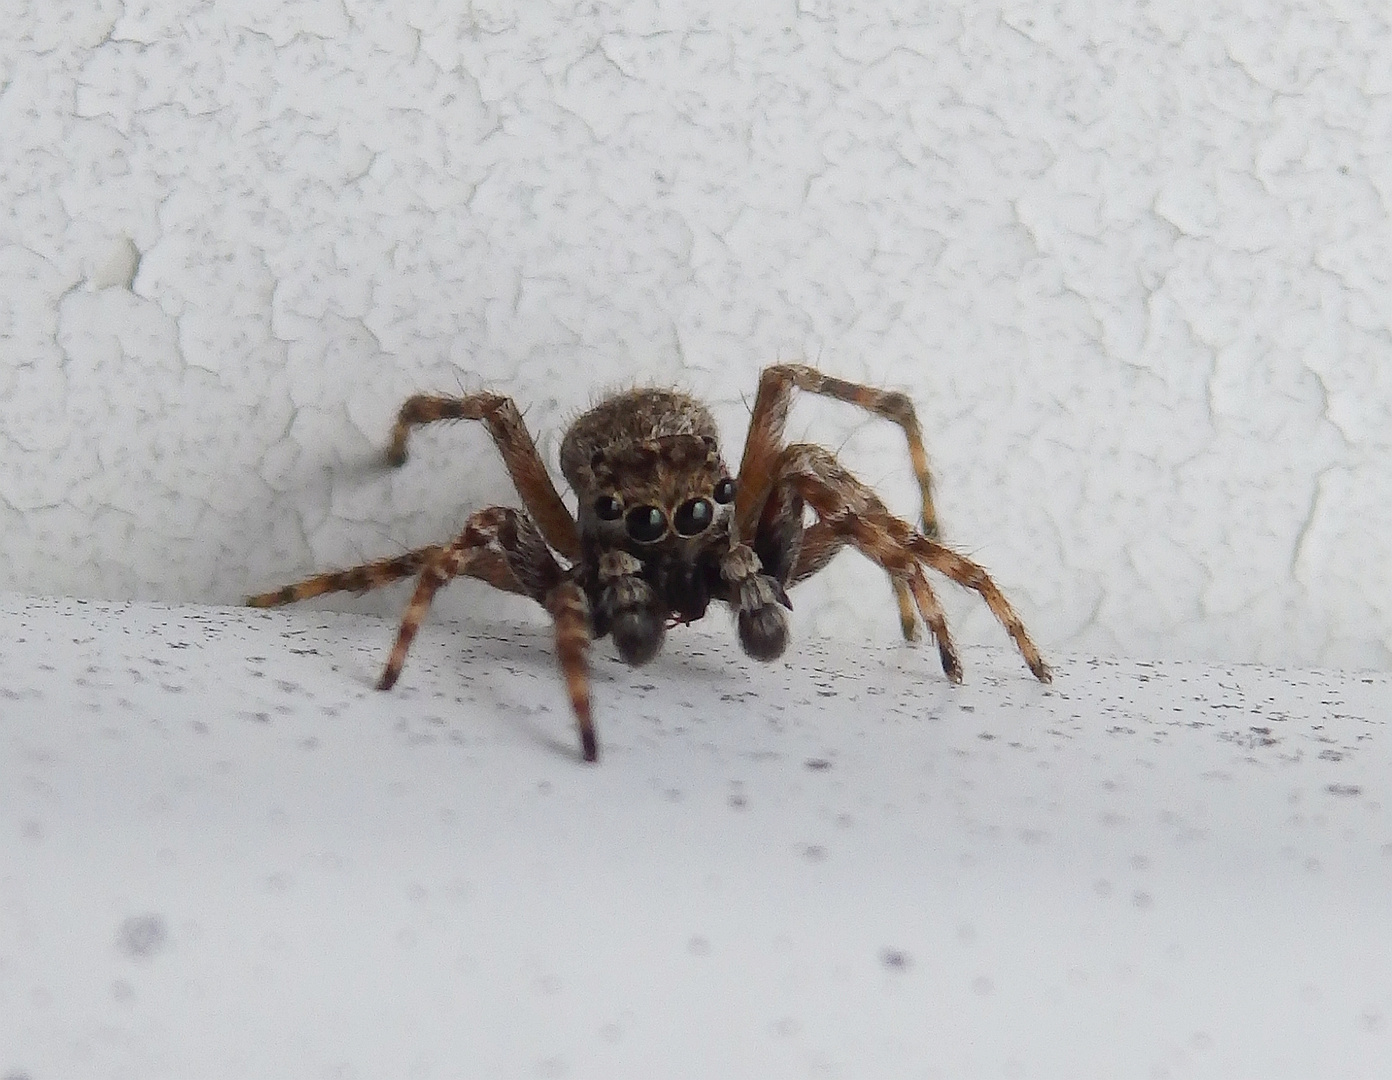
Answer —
692 517
607 508
646 524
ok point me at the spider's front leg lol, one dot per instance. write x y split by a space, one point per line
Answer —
769 419
570 612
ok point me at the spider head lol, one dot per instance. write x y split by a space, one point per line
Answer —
657 498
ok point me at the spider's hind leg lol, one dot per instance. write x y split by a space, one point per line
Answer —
850 513
968 574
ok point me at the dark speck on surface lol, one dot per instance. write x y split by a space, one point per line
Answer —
141 936
895 959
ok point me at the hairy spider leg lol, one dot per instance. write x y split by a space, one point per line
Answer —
848 512
764 443
849 508
504 422
448 563
972 576
489 566
769 419
570 612
821 541
529 563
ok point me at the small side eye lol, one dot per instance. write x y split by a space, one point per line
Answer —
607 508
725 491
692 517
646 524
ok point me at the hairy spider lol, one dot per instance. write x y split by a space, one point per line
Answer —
664 528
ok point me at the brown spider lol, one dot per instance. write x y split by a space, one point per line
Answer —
664 528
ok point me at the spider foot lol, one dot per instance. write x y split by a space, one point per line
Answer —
287 595
951 665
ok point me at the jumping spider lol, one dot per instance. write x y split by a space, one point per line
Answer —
664 528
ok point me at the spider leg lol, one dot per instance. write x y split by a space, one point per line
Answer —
911 589
529 564
447 563
936 619
791 552
851 510
769 419
489 566
571 613
821 542
504 422
358 579
967 573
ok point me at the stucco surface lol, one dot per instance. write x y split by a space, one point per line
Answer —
1131 261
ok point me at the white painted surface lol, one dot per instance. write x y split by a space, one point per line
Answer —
1130 260
222 854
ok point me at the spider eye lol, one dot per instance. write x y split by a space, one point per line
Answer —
608 508
725 491
646 524
692 517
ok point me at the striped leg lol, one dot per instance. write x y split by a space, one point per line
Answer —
850 510
571 614
821 541
450 562
764 442
500 539
504 422
489 566
968 574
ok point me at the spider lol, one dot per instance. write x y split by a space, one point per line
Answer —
664 527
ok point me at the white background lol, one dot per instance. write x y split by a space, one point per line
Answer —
1131 261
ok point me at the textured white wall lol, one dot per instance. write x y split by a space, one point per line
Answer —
1131 261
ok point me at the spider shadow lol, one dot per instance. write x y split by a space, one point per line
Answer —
546 720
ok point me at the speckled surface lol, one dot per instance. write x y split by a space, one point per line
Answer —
222 854
1132 262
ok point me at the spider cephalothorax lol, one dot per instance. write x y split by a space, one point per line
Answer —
655 502
663 528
